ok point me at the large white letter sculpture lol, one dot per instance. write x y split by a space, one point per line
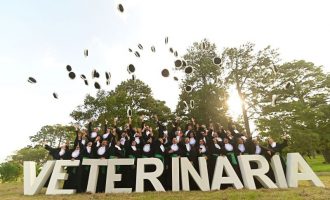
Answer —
248 173
93 172
202 180
298 169
59 174
232 178
33 185
151 176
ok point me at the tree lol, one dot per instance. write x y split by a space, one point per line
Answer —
54 135
302 106
133 94
10 171
246 69
209 94
37 154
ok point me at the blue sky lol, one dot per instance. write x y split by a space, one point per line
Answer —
39 38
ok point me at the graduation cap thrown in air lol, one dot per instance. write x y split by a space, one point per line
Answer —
68 68
130 50
97 85
188 88
165 73
288 85
192 103
95 74
185 105
137 54
32 80
86 52
86 82
184 63
107 75
188 70
140 46
175 53
72 75
55 95
130 68
129 112
153 49
166 40
83 77
216 60
107 82
178 64
175 78
171 49
120 7
133 77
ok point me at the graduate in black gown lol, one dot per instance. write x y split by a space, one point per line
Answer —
102 152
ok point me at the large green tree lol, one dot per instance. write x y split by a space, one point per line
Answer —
208 93
245 68
302 106
133 94
10 171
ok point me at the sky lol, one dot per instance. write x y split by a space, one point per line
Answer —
39 38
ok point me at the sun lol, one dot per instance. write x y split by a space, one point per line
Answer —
234 104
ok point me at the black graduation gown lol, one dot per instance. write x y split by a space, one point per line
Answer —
74 180
103 169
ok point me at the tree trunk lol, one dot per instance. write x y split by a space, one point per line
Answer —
326 155
244 111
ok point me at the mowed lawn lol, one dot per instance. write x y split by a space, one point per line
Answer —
304 191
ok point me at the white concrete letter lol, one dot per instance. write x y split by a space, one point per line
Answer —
187 168
93 172
175 174
278 172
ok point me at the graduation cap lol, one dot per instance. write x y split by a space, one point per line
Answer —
188 88
55 95
178 63
130 50
137 54
288 85
95 74
108 82
133 77
129 112
86 82
32 80
184 63
83 77
140 46
68 68
175 53
216 60
188 70
86 52
274 97
97 85
171 50
192 103
107 75
72 75
166 40
185 104
130 68
120 8
175 78
153 49
165 73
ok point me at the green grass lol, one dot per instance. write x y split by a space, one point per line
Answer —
317 164
305 191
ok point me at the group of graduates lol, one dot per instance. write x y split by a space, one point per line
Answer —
193 142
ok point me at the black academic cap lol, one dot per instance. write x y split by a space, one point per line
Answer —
188 88
108 82
130 50
83 77
107 75
188 70
86 82
133 77
32 80
153 49
165 73
140 46
288 85
120 8
166 40
192 103
97 85
171 49
130 68
95 74
137 54
55 95
129 112
178 63
184 63
175 78
175 53
68 68
86 52
217 60
185 104
72 75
